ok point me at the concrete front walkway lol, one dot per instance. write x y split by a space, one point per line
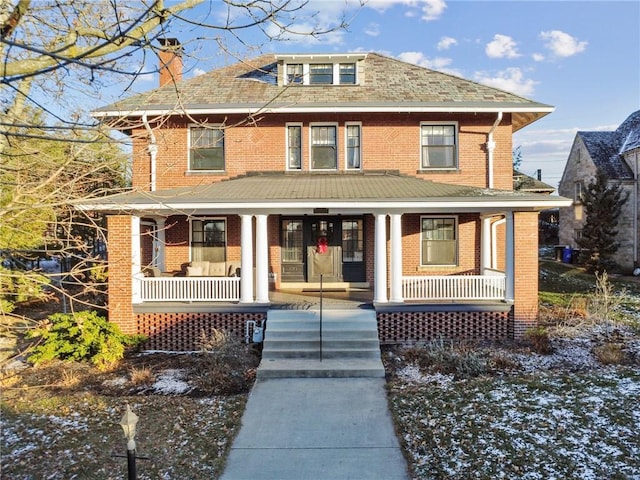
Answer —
316 429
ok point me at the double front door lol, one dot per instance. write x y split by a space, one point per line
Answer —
337 241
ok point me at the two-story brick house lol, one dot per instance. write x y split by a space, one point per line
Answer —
389 176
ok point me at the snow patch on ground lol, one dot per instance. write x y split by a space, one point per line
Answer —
171 382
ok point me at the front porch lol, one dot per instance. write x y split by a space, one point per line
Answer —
440 288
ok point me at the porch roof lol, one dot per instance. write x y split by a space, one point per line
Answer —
305 192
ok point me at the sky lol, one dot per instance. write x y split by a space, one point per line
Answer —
583 57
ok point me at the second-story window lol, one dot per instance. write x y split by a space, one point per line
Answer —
206 148
321 74
438 146
294 147
323 148
578 194
353 147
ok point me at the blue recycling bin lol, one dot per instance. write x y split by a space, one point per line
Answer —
567 255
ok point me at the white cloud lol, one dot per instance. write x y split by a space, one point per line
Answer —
429 9
446 42
502 46
438 63
538 57
373 29
198 71
562 44
510 80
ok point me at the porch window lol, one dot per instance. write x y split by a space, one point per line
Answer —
352 241
295 73
438 146
353 147
209 240
294 147
323 148
206 148
439 241
292 243
321 74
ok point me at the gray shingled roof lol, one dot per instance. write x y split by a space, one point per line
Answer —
606 148
289 187
387 82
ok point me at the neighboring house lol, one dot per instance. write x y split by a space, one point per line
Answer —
400 176
616 153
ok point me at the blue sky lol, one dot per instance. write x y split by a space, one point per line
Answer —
581 57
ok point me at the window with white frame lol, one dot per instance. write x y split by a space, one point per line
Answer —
206 148
438 143
323 147
321 74
439 245
295 73
353 152
209 239
347 73
294 147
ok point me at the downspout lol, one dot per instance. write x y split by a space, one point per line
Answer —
636 267
152 149
491 145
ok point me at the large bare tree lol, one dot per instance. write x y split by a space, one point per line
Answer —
57 59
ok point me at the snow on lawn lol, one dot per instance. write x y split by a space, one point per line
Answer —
562 416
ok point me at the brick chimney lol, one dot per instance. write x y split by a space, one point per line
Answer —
170 61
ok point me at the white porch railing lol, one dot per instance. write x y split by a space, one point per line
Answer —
454 287
189 289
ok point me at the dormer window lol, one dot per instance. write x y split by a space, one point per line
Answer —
347 74
321 74
295 73
330 69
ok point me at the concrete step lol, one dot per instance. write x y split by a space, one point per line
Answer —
327 368
350 346
327 352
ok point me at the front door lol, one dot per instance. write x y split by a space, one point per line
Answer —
341 238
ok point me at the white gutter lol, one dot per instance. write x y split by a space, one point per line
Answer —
249 109
152 149
491 145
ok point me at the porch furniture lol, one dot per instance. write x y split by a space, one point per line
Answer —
203 268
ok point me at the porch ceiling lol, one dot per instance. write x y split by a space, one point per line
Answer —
341 192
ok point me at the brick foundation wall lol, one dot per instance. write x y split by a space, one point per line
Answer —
407 327
181 332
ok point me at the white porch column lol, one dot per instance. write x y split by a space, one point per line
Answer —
380 260
246 255
485 244
160 241
509 263
136 260
396 258
262 260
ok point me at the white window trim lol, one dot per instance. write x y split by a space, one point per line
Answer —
457 232
219 126
324 124
456 145
204 219
346 145
286 146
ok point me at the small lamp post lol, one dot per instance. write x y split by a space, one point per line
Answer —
128 424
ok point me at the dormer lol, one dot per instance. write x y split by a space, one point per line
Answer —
321 69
